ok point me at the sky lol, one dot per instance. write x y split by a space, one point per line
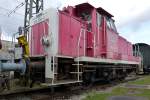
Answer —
132 17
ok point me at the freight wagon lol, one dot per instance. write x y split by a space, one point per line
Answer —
143 50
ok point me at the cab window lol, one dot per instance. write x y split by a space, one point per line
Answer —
108 23
99 19
113 25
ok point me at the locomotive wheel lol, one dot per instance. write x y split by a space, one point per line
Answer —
88 78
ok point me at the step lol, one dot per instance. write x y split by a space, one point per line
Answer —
76 72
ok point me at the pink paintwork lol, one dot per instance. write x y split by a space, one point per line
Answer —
122 48
37 32
69 32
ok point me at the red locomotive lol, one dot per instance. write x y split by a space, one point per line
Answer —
80 43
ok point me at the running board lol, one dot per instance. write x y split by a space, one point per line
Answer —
102 60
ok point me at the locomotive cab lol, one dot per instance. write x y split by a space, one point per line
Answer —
85 12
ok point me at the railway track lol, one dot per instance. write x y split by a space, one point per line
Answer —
62 92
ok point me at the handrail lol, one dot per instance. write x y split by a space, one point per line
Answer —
82 31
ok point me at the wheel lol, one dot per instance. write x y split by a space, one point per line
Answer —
88 77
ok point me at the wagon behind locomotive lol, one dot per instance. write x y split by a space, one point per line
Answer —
143 50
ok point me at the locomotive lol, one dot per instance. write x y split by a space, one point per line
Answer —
74 45
80 43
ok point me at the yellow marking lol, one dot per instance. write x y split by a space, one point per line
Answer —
24 44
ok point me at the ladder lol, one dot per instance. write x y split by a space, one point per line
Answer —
54 67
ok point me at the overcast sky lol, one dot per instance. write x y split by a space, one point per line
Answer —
132 17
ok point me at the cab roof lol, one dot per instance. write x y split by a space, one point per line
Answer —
85 5
104 12
99 9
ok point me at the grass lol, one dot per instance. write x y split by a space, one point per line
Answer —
119 91
97 96
122 91
143 81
